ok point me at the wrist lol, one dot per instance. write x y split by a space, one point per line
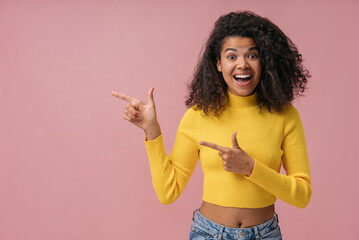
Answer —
153 132
250 167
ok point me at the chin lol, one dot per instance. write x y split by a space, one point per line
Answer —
242 93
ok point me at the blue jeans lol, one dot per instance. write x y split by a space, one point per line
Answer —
203 228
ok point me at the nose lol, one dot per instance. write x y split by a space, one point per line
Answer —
242 63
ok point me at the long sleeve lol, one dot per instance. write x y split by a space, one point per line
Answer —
294 187
170 174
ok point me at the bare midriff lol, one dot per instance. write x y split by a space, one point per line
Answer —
236 217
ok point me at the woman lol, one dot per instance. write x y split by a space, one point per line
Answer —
244 82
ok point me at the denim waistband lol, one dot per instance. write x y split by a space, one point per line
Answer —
236 233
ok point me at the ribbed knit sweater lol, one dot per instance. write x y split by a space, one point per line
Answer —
270 138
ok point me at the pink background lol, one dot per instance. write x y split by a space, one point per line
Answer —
72 168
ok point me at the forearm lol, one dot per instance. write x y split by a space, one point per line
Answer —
294 189
170 174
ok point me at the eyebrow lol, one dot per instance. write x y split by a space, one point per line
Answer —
235 50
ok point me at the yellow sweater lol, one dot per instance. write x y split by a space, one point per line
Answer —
269 138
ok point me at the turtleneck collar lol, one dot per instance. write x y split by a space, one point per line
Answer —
240 102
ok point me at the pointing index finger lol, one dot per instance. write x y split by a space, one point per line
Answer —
213 146
122 96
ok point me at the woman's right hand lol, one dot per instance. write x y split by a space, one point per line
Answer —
142 115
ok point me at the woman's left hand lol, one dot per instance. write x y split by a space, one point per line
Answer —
234 159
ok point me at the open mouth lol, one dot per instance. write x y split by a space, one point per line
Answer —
243 79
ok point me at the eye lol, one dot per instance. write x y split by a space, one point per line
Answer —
253 56
231 57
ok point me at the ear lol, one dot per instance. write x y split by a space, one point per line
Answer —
219 67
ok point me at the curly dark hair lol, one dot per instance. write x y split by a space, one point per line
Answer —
283 75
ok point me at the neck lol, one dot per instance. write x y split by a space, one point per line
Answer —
240 102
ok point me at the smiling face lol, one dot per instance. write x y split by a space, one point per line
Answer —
240 65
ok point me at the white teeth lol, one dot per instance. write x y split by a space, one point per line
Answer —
242 76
